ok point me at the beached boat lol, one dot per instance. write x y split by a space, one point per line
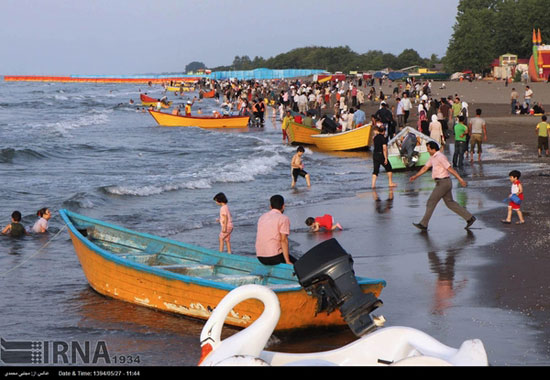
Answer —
169 120
178 88
358 138
171 276
148 101
301 134
418 158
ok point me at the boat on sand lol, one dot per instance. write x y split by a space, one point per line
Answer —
358 138
407 149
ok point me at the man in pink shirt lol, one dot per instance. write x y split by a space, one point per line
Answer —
441 168
272 235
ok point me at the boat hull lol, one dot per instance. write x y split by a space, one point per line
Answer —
397 162
358 138
168 120
301 134
179 89
137 282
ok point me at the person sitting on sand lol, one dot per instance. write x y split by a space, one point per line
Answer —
15 228
326 221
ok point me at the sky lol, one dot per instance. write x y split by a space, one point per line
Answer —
102 37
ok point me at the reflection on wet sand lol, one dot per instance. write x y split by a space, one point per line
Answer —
443 265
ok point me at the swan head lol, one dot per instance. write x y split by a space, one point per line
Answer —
248 342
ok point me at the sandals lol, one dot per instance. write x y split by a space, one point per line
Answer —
520 222
505 221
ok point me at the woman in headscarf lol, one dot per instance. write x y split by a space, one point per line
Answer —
423 124
436 131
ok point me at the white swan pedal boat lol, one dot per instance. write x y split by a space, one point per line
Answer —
396 346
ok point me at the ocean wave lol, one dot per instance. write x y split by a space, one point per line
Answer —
79 200
237 171
63 127
8 155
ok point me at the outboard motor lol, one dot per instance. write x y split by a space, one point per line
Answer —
326 273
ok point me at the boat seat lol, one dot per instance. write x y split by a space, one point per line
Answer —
138 257
153 248
261 270
189 269
239 279
210 260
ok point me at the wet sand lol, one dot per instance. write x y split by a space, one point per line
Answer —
489 282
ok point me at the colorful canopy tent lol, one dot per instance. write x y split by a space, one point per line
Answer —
539 63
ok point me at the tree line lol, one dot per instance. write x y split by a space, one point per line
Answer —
486 29
332 59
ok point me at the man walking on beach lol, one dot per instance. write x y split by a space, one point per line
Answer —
543 128
478 133
272 234
441 168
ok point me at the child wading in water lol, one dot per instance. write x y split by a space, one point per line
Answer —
15 228
297 167
515 198
324 221
225 221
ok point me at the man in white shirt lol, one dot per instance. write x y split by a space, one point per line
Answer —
528 95
407 105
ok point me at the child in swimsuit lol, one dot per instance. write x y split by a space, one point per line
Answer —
15 228
297 167
226 222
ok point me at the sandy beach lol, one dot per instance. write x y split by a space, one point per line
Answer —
490 282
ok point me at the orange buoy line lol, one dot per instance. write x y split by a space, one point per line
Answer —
83 79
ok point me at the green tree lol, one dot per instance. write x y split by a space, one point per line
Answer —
194 66
471 45
486 29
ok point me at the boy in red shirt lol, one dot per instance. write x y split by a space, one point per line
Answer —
324 221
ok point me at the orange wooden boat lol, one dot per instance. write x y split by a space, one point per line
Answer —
169 120
301 134
171 276
149 101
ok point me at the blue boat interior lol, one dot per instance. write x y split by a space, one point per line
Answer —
164 255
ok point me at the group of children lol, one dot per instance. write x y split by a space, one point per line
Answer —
16 228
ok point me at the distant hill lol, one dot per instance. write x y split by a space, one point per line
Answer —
332 59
